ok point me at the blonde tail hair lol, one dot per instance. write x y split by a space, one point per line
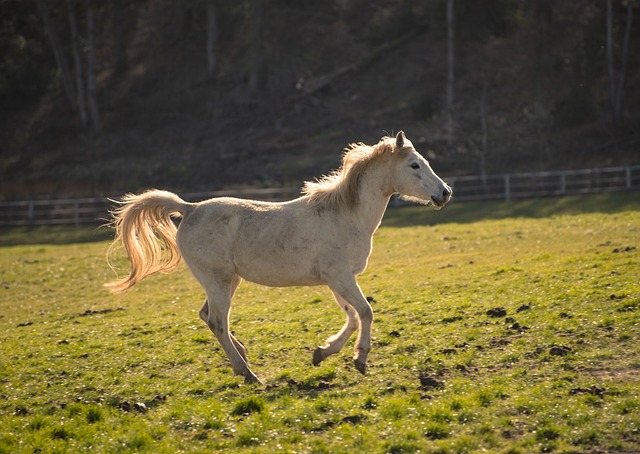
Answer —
143 224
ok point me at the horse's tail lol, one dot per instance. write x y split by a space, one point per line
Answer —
144 226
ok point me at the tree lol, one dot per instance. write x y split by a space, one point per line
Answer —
77 61
212 37
543 78
121 21
616 82
92 92
74 86
483 120
257 63
58 51
450 71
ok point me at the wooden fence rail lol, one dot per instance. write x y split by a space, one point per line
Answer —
542 184
95 210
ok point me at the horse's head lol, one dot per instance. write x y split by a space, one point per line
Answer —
413 177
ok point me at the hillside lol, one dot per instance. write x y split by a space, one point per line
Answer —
293 84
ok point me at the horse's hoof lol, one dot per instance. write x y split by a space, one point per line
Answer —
361 367
317 356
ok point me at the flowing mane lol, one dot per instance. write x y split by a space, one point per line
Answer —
339 189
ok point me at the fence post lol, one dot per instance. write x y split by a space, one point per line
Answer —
30 214
563 183
627 177
507 187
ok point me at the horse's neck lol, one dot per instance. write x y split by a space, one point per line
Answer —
375 192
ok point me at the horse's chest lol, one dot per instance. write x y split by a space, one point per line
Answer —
360 258
352 255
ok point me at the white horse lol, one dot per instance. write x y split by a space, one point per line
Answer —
321 238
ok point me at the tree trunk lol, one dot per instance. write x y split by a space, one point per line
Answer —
543 73
92 94
610 71
450 72
77 61
256 71
212 37
617 102
58 52
616 83
120 25
483 120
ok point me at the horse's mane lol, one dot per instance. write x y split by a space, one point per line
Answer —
339 189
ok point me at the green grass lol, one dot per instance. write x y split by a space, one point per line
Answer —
81 369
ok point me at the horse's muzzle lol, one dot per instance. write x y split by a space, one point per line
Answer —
444 198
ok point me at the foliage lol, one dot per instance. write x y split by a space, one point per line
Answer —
25 69
531 86
83 370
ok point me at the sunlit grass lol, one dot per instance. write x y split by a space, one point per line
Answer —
81 369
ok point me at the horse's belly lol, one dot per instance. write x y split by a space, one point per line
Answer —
274 274
298 268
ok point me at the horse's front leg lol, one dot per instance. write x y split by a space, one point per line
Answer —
335 343
347 288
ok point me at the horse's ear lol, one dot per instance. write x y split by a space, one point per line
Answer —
400 139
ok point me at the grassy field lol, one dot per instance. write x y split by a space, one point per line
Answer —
500 327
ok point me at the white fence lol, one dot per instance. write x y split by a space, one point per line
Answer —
95 210
542 184
499 187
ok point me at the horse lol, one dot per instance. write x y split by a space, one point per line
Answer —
323 237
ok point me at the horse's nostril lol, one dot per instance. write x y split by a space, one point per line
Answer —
446 193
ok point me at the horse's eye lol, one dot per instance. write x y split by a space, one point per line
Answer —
415 165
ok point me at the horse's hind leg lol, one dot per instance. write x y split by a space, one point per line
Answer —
335 343
204 315
219 295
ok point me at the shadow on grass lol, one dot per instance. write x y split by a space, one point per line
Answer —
465 212
59 234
